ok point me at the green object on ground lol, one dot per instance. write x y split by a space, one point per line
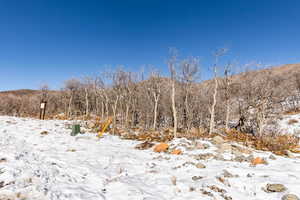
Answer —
75 129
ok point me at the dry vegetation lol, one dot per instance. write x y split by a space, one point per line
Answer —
275 143
160 108
292 121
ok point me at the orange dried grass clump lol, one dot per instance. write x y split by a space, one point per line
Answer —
162 147
258 161
176 152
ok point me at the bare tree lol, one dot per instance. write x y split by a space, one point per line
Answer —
71 86
155 83
189 74
172 62
227 81
119 78
45 92
217 55
88 84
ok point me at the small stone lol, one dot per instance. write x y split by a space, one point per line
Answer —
199 145
240 158
44 133
227 174
217 140
144 145
223 180
241 149
290 197
174 180
272 157
224 147
251 157
200 166
188 163
196 178
219 157
236 153
275 188
90 125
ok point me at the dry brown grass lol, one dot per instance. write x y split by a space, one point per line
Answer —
292 121
150 136
275 143
292 112
194 133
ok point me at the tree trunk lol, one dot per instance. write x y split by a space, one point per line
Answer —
106 105
70 105
227 115
186 120
102 109
126 115
86 102
114 113
155 111
212 116
174 109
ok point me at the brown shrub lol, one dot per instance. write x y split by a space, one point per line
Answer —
194 133
274 143
277 143
235 135
150 136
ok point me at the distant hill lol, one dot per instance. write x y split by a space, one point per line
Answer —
20 92
285 87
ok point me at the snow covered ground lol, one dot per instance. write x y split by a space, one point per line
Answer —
58 166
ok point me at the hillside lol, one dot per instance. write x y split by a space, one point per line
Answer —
20 92
278 87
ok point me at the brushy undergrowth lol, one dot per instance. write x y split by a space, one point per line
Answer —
276 143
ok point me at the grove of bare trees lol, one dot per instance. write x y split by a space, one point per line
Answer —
179 100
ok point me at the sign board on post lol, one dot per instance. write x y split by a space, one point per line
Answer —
43 105
43 109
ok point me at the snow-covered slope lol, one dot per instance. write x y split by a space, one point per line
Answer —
57 166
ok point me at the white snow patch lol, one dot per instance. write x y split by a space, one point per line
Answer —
38 167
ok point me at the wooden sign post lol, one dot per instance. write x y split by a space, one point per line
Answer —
43 109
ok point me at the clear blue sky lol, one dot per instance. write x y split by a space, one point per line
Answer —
49 41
